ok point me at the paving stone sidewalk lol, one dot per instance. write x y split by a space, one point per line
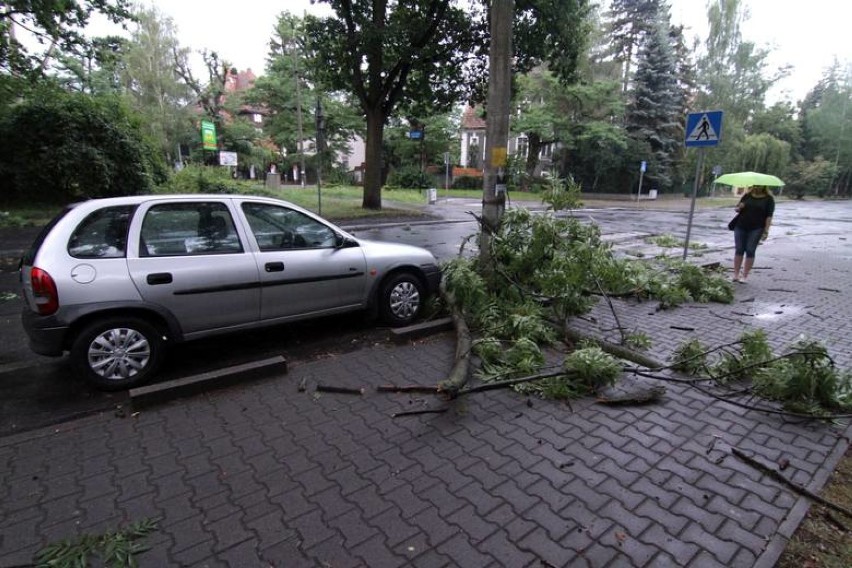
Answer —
264 475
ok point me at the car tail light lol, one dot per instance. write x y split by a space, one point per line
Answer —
44 292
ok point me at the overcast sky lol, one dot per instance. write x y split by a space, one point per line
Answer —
806 34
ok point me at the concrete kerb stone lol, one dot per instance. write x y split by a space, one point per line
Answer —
147 395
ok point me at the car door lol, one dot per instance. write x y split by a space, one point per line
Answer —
303 269
192 262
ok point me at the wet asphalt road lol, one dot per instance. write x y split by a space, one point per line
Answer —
37 391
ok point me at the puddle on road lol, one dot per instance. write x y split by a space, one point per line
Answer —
776 311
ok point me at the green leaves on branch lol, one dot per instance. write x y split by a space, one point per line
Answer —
113 549
547 268
804 379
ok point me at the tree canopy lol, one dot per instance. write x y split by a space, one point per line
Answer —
57 26
86 147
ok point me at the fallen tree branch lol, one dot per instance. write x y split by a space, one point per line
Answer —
510 382
650 395
611 308
419 389
613 349
416 412
338 390
727 318
800 489
458 375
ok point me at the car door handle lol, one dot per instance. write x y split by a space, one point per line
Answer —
159 278
274 267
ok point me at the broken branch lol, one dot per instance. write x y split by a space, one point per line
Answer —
338 390
408 388
800 489
416 412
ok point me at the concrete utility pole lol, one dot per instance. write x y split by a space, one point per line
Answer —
497 128
296 55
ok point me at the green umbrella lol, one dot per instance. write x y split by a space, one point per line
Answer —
748 179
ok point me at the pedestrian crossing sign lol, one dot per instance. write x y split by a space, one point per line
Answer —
703 128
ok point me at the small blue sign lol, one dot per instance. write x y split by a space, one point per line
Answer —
703 128
415 134
643 167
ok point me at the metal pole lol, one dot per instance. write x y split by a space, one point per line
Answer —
698 168
639 191
447 166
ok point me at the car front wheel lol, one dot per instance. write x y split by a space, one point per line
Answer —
401 299
117 353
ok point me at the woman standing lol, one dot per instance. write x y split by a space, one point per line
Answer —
754 217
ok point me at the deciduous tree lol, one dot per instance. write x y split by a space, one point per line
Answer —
56 26
388 53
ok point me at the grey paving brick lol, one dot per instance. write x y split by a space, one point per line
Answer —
169 486
375 552
461 552
233 543
293 503
187 534
703 515
672 522
314 529
579 489
193 553
722 550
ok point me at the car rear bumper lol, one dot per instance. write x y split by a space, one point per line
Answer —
47 336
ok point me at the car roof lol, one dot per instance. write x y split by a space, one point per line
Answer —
137 199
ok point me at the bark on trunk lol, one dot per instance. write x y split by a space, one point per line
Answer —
373 158
497 131
533 151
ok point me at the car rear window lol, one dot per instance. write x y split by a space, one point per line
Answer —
102 234
29 257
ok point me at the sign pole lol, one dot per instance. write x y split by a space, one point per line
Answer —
698 167
641 175
703 129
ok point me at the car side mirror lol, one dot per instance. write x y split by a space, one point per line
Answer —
341 241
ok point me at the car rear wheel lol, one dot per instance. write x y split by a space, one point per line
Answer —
401 299
117 353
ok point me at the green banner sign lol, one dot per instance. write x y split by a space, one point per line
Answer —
208 135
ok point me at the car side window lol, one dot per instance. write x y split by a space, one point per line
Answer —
281 228
181 229
102 234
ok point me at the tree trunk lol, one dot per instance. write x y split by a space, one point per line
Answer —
373 159
533 152
497 130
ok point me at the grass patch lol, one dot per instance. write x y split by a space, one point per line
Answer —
819 541
29 216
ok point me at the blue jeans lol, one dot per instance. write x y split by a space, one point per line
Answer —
746 241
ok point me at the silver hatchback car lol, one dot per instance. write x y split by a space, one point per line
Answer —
113 280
